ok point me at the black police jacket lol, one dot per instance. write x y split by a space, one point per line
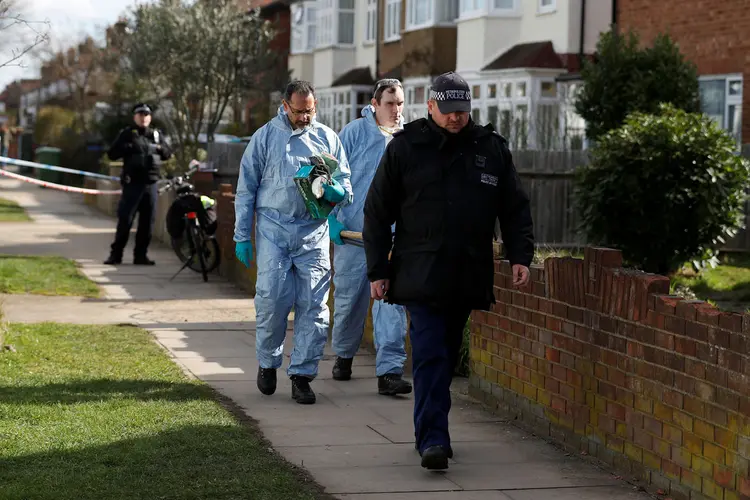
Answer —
444 192
140 166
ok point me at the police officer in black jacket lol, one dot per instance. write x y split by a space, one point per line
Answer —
142 149
444 181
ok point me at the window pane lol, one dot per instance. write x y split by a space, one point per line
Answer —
492 115
476 115
419 95
346 4
504 4
507 89
713 99
735 87
476 91
549 89
505 123
521 89
491 91
346 27
734 124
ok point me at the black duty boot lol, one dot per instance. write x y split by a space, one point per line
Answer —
301 390
435 458
113 260
267 380
448 450
143 261
342 368
392 384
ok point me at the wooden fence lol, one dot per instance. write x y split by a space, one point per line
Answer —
546 175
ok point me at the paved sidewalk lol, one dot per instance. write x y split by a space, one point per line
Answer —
357 444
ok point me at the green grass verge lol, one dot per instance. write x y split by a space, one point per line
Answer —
93 412
43 276
727 286
10 211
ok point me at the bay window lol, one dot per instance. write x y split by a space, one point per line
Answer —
721 100
476 8
547 6
338 106
424 13
303 27
392 20
415 106
335 23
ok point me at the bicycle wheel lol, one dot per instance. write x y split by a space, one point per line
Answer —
198 241
211 254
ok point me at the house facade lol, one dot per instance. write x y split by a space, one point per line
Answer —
513 53
714 39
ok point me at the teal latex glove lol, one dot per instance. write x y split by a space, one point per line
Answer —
334 229
333 192
244 252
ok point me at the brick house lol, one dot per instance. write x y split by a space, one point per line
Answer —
714 38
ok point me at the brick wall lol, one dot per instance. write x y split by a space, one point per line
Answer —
600 359
711 34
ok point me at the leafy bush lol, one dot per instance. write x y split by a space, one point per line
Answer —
52 125
627 78
663 188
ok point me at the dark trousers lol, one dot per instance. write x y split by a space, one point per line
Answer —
436 336
140 198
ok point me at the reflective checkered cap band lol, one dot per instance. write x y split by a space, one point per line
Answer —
450 95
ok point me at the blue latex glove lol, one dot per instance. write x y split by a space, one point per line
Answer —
333 192
244 252
334 229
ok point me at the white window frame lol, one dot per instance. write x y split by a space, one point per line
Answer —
414 110
303 39
729 100
547 8
473 9
327 24
439 13
371 22
338 106
392 21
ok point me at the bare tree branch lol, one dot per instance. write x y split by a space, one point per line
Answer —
19 35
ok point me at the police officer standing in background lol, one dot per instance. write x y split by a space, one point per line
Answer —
142 149
443 180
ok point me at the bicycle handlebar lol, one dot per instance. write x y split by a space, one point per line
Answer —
170 183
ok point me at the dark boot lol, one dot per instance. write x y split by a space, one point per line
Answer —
113 260
342 368
267 380
301 390
435 458
392 384
448 450
143 261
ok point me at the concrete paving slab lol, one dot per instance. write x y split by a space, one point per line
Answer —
371 455
526 475
398 479
303 435
474 432
606 492
435 495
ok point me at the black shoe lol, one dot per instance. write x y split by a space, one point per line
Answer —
143 261
392 384
448 450
435 458
342 368
267 380
113 260
301 390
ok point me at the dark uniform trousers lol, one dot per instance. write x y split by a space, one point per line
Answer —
136 198
436 336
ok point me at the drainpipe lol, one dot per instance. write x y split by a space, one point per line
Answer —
614 15
377 39
581 49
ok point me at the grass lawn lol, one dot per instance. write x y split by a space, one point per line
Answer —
727 286
43 276
10 211
90 412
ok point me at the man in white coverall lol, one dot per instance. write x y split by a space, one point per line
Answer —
293 248
365 141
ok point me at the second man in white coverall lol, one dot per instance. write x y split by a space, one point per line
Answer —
365 141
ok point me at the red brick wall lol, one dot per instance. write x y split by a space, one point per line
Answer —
598 358
711 34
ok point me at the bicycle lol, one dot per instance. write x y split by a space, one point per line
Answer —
191 224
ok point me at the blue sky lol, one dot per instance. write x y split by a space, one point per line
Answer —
70 21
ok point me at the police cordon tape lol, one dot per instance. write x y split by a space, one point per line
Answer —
33 164
69 189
